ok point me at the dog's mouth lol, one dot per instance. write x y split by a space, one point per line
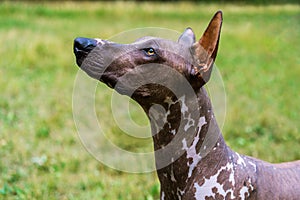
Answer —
82 47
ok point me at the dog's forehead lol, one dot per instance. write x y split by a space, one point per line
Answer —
155 42
145 39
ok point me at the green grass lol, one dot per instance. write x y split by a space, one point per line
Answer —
41 154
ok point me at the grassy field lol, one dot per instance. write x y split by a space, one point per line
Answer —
41 156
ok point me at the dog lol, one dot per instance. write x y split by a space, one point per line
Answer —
166 78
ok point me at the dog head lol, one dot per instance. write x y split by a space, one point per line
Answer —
144 68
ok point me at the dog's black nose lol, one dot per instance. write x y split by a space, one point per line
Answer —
82 47
84 44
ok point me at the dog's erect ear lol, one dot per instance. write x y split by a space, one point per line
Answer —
205 50
187 38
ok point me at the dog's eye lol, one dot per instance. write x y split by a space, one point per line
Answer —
149 51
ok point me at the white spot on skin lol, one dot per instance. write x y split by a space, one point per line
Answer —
173 131
172 176
191 151
189 123
245 190
205 190
162 195
240 160
158 116
169 101
180 193
172 171
184 108
166 117
231 177
154 115
251 187
254 165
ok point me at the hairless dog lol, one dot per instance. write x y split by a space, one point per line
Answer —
199 165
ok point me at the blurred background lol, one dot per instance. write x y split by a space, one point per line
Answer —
41 156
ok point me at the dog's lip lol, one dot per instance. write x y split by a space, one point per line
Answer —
80 51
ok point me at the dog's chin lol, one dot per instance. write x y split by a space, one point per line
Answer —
79 61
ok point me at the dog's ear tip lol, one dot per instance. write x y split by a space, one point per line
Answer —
187 37
189 30
219 14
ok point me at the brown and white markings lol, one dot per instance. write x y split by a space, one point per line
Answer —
200 165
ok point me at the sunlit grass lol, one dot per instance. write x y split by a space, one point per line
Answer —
41 154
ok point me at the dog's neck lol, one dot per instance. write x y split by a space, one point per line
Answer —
184 137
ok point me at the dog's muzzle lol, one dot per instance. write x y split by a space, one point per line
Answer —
82 47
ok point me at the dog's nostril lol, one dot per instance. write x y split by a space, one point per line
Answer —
84 44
